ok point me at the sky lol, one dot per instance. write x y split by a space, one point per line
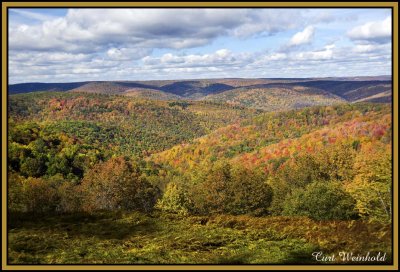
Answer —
68 45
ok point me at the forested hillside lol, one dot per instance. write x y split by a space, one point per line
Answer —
276 99
150 94
76 126
40 87
264 130
349 90
286 92
333 149
126 177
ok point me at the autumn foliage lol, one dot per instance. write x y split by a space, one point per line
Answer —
70 152
117 184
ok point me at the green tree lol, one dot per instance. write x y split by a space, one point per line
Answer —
58 164
247 193
231 190
174 200
33 167
296 173
334 163
320 200
208 193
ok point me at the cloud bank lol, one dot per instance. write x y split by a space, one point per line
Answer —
132 44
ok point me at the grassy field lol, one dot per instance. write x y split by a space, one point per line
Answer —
134 238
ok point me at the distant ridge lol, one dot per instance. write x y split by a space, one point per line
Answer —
256 93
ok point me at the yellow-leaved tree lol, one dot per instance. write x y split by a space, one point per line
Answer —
372 183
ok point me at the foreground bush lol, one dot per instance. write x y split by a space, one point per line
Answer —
117 184
320 201
174 200
222 189
32 195
248 193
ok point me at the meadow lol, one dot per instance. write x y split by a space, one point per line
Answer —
157 238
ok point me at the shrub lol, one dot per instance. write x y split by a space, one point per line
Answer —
332 164
248 193
39 195
117 184
294 174
230 190
208 194
174 200
320 200
15 195
70 198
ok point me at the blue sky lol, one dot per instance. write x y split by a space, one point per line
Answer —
65 45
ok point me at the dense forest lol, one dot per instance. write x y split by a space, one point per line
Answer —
265 175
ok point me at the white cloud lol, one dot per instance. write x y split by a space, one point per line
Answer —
368 48
377 31
125 54
270 21
221 57
112 44
302 37
43 59
326 61
275 57
89 30
223 53
325 54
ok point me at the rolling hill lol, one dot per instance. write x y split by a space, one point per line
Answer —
108 87
101 87
349 90
195 89
276 99
270 138
152 94
39 87
277 94
121 124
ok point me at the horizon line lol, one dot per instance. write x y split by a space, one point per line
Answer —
197 79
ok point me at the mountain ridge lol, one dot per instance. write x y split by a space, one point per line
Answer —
260 93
